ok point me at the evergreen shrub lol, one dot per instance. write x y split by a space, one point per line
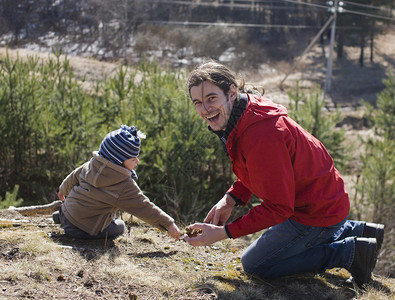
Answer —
377 183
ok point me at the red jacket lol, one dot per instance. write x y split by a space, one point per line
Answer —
277 160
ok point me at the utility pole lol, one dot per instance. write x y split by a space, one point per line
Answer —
328 78
296 63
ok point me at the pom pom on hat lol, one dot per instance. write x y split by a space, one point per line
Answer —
121 144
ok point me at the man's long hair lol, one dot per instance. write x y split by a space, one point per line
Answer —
221 76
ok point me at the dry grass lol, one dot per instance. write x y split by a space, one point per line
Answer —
38 261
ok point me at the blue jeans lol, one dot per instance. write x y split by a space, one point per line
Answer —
291 248
115 229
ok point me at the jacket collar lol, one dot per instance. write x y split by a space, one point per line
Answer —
116 167
238 108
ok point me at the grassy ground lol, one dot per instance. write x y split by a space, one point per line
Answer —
39 262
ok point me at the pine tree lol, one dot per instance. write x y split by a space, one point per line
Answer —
378 162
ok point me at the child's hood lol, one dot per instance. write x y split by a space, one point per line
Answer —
100 172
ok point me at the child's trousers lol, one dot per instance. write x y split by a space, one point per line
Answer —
115 229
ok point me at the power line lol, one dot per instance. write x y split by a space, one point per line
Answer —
246 6
203 4
248 25
305 3
222 24
368 15
362 5
345 10
231 5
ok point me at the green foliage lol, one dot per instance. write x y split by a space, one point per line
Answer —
50 125
382 119
309 112
11 199
46 120
377 186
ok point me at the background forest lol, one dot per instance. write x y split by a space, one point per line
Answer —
52 119
178 32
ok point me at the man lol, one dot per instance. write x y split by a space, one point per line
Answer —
304 202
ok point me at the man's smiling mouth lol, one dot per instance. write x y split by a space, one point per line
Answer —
211 116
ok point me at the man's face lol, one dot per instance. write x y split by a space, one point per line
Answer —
212 104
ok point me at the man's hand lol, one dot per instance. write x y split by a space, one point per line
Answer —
209 235
221 211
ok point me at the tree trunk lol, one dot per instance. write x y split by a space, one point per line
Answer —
362 43
340 43
45 209
362 48
372 40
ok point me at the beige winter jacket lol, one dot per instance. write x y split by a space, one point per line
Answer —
94 192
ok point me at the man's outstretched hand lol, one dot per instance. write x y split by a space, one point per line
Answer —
208 235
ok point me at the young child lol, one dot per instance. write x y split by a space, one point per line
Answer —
93 192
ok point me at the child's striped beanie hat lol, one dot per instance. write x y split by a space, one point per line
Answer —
121 144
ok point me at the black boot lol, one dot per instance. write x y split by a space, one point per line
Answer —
56 217
376 231
365 258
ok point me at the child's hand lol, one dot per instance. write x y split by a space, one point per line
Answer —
174 232
61 196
